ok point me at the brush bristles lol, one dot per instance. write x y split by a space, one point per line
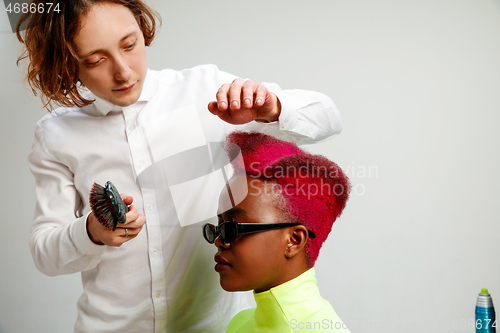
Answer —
102 208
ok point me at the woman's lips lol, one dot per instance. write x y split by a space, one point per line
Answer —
221 267
222 264
125 89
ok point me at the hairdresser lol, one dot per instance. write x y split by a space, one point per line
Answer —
142 277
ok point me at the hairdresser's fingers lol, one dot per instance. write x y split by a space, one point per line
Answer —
126 199
139 223
124 233
234 94
212 107
228 104
134 219
262 96
129 232
222 97
247 94
244 101
131 215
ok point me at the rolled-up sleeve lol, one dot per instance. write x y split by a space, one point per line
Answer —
310 114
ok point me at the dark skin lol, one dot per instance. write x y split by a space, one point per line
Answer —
262 260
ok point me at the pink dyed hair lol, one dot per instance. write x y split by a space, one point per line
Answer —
315 188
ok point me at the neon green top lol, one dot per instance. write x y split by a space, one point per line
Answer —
294 306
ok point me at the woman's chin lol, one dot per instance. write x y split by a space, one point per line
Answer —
232 287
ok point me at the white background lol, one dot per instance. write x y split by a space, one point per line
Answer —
418 86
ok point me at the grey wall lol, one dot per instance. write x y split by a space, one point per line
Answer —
417 84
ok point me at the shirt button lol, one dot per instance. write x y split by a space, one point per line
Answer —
139 165
150 206
131 128
284 124
157 294
154 251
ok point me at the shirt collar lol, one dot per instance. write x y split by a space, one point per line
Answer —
147 93
288 291
291 300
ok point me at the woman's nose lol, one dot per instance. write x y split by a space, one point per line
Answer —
219 243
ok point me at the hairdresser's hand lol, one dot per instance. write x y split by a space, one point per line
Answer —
101 235
244 101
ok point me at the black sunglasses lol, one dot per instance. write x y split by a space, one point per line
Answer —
228 231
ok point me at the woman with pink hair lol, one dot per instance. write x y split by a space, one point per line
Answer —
269 242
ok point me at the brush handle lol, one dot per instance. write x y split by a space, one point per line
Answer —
119 207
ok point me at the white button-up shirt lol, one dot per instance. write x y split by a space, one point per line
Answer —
164 279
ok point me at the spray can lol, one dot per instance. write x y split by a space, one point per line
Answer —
485 313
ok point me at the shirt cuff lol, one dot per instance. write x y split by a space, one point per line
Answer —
80 237
289 120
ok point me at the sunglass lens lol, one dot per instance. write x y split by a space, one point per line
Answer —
209 233
228 232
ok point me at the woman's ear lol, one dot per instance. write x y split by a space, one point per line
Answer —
296 242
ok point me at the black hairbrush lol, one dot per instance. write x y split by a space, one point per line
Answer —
107 205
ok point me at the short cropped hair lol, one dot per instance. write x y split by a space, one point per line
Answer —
48 44
315 189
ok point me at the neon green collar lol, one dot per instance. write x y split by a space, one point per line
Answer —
290 307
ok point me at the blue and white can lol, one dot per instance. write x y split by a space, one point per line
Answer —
485 313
